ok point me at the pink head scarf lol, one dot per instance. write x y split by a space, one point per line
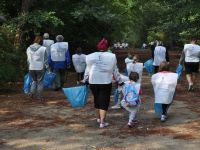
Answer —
103 45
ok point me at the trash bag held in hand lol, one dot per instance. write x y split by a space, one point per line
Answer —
48 79
77 96
158 109
149 66
27 83
179 70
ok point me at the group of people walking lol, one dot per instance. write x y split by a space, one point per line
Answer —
99 69
45 55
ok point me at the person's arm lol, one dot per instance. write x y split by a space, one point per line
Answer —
182 58
46 60
152 51
116 73
28 63
50 62
167 55
86 74
67 58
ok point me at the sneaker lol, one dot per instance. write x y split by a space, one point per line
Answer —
117 106
130 124
191 88
163 118
103 125
135 121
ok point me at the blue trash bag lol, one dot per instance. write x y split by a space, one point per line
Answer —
179 70
77 96
126 72
158 109
27 83
48 79
149 66
116 95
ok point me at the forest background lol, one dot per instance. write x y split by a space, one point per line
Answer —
84 22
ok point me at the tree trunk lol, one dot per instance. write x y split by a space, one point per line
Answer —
25 7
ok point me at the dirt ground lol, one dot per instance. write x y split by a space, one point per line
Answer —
28 125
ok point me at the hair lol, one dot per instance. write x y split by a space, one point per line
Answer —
193 39
164 66
38 39
136 58
79 50
134 76
59 38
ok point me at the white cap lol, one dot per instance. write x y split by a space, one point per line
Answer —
46 35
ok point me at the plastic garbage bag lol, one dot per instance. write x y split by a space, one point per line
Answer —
158 109
77 96
149 66
48 79
179 70
27 83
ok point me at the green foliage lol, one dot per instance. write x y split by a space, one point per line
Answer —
83 23
8 58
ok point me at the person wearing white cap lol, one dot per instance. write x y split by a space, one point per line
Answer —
47 42
59 60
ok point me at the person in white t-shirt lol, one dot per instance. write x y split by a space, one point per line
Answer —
47 42
79 62
128 60
160 54
191 58
164 84
100 68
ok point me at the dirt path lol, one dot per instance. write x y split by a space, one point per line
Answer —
26 125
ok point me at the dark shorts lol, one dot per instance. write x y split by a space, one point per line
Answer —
101 93
191 67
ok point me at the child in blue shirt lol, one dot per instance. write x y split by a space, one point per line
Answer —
131 97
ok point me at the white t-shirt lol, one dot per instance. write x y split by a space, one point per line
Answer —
159 55
79 62
136 67
192 53
58 51
164 85
36 58
100 67
47 43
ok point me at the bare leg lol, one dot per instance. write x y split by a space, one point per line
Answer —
189 79
97 113
193 77
102 115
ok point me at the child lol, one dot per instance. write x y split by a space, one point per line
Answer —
131 97
79 62
164 85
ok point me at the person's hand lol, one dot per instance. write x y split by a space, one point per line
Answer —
48 69
84 82
121 84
